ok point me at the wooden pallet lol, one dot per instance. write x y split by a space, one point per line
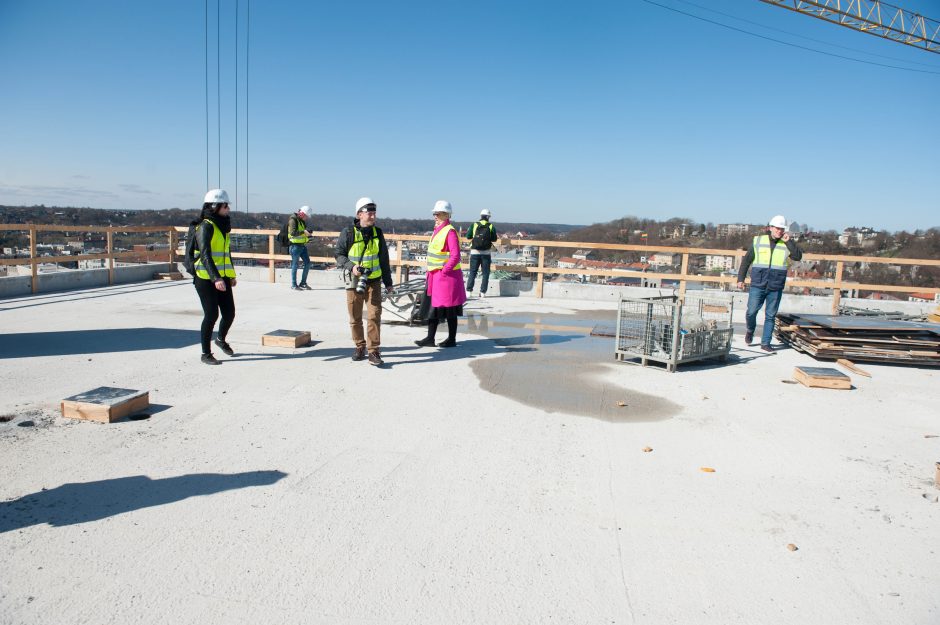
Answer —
105 404
822 377
286 338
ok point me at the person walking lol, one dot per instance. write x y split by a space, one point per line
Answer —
298 234
444 277
214 277
769 261
482 235
362 254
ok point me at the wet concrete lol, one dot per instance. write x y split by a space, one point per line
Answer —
551 362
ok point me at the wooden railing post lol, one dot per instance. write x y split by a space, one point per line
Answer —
172 255
34 268
683 271
837 289
110 251
541 279
271 274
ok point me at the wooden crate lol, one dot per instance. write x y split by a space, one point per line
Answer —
173 275
286 338
822 377
105 404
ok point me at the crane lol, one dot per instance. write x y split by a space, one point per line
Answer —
873 17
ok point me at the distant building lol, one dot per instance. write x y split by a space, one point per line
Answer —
715 262
662 259
727 230
924 297
515 258
852 236
585 255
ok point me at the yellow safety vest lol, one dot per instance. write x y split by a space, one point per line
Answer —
221 254
299 237
780 259
437 257
369 253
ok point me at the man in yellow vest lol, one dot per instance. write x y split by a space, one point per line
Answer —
770 260
363 256
298 234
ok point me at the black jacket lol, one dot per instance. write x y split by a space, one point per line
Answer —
345 241
204 234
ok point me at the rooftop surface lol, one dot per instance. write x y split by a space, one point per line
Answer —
498 482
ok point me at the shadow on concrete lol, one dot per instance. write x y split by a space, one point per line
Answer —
253 356
465 349
144 414
74 295
71 504
103 341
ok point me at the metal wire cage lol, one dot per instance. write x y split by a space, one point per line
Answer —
673 330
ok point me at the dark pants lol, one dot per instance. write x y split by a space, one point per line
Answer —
298 251
214 301
450 313
771 301
476 262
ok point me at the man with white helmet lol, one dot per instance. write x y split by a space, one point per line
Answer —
482 235
362 255
770 262
298 234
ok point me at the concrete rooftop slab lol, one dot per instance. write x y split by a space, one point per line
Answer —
498 482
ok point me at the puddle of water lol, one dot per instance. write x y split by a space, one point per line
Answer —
551 362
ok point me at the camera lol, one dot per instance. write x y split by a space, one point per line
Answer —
361 281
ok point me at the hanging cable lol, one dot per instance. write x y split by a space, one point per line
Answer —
236 106
247 66
218 81
207 93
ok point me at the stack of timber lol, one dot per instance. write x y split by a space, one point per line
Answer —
934 317
830 337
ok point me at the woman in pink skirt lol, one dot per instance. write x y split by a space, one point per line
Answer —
445 278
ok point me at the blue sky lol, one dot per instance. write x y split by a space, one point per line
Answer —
540 111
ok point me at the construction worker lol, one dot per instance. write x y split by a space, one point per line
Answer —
444 276
363 256
298 234
482 235
214 272
769 262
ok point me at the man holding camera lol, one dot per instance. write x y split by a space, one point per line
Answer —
363 256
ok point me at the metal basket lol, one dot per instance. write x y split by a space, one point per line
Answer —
672 331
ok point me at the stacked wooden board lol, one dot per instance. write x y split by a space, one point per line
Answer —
934 317
830 337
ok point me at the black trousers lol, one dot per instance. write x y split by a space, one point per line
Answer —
213 302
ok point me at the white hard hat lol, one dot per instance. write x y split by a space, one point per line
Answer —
442 206
305 210
779 221
485 212
362 202
216 196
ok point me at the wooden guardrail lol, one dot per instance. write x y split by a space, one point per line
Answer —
108 255
539 270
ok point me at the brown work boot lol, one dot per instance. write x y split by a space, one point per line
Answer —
359 354
375 359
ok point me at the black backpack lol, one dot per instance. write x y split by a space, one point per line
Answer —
481 236
189 256
282 236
